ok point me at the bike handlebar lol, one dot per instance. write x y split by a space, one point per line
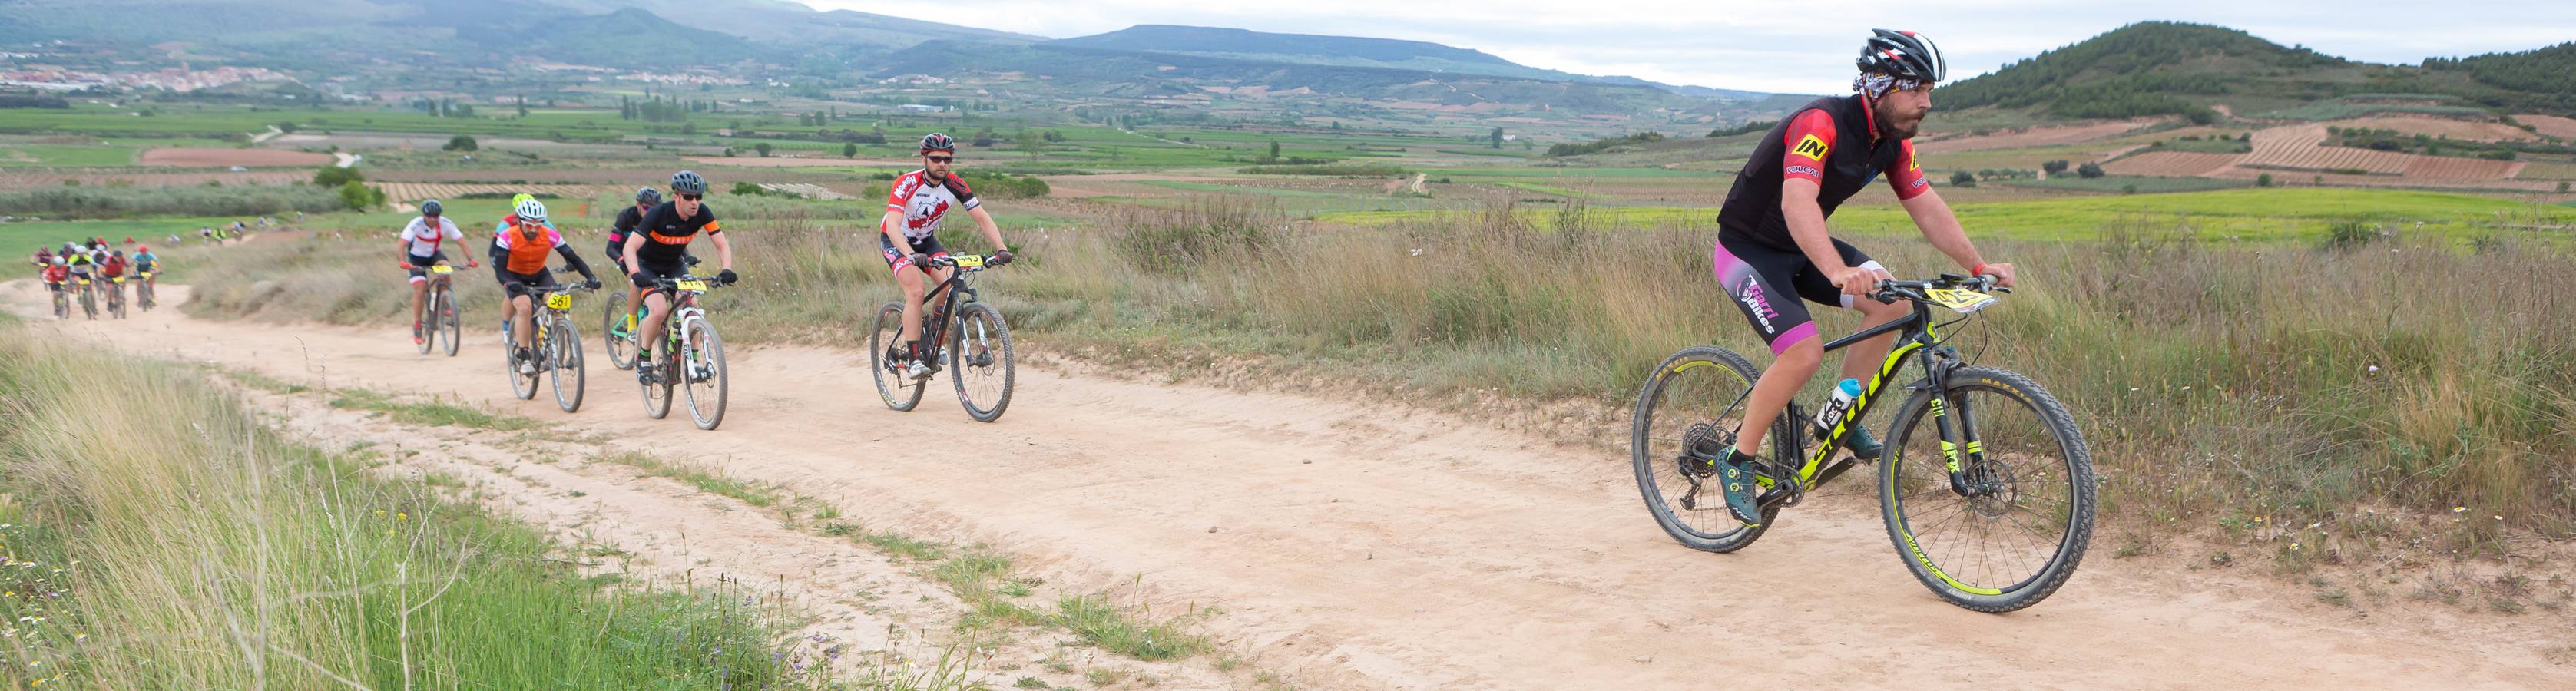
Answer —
1889 292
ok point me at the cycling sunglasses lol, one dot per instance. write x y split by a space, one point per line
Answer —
941 159
692 197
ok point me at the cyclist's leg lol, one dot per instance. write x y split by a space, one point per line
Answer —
914 283
1752 276
1860 360
419 284
634 296
657 306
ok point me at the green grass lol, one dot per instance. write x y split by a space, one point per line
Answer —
706 479
2128 184
52 155
1105 624
433 414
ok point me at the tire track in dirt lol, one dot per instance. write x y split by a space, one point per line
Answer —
1375 547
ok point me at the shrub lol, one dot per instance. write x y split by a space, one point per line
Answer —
462 142
2089 170
335 176
357 195
2055 167
191 200
1963 179
2264 180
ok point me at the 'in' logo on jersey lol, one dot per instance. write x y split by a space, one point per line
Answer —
1811 147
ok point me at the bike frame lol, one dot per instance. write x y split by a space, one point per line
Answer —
948 292
1919 340
684 304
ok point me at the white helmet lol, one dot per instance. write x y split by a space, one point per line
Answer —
531 210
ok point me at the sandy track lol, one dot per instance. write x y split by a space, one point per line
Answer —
1371 547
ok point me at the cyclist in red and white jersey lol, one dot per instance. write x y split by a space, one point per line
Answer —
916 205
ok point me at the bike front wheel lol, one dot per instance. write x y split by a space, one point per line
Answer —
704 372
564 368
2008 528
979 361
451 324
1697 398
899 391
525 385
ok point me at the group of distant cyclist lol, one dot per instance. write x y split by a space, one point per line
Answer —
649 243
84 265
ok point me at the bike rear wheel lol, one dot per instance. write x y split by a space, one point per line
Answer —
704 372
116 302
2017 524
451 324
1698 394
563 362
62 305
525 385
621 351
980 362
89 304
143 292
899 391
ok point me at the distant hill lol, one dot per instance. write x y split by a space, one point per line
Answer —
633 33
1309 49
2167 68
1102 72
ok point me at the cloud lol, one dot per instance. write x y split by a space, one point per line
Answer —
1803 47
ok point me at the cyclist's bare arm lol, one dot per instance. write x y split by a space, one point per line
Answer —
403 246
1806 222
1942 228
891 227
462 252
984 222
634 241
724 250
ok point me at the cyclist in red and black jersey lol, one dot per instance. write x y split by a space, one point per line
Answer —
1773 247
909 236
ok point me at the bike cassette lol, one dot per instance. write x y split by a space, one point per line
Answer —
1703 447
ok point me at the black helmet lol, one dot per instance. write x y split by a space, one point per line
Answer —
1903 55
431 208
938 142
687 182
648 195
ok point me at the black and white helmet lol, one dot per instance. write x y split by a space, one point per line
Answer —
431 208
648 195
937 142
1903 55
688 182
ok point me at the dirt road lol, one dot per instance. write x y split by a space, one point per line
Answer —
1357 545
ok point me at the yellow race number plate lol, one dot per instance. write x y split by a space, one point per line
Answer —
559 301
696 286
968 261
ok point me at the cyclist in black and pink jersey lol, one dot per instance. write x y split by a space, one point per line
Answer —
628 219
1773 247
910 237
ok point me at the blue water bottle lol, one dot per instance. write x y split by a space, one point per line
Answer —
1844 394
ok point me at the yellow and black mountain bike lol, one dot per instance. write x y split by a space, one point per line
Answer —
1986 487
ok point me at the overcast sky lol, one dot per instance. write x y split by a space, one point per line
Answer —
1800 47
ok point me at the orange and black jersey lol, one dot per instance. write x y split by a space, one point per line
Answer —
1832 142
667 235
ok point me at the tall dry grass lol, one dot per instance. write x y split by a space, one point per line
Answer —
2220 382
160 537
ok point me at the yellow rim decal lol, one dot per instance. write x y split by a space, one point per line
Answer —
1678 369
